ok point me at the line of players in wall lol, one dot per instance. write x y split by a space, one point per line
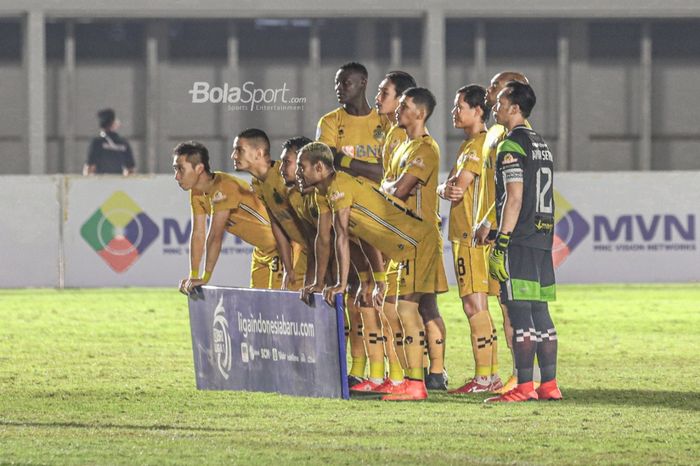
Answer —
355 212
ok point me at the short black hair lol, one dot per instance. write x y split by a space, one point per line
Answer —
474 95
401 81
195 153
423 97
257 134
297 142
356 68
106 117
522 95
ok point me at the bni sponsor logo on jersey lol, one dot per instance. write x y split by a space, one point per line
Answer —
119 231
570 229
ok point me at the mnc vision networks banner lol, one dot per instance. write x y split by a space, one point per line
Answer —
268 341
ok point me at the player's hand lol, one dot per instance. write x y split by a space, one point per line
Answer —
482 236
378 294
182 287
309 290
364 293
329 292
453 193
187 285
288 279
497 259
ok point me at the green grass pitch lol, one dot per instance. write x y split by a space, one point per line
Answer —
106 377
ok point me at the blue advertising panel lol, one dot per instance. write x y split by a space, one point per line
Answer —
268 341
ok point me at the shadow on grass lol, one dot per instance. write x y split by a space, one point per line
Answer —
83 425
685 401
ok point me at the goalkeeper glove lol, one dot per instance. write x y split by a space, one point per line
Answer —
497 259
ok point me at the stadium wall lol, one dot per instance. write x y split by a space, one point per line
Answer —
614 79
107 231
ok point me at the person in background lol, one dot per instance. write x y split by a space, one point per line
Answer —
109 153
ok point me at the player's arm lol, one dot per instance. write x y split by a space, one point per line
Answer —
401 187
441 187
511 209
322 246
361 266
284 248
215 237
90 167
198 237
322 254
341 220
372 171
376 262
513 177
129 166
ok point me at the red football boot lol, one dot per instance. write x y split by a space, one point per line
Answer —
473 386
523 392
549 391
409 390
365 387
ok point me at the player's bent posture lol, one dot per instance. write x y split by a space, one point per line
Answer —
521 259
251 153
233 207
313 213
486 206
412 177
382 225
470 261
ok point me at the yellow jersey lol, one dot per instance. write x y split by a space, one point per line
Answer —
419 157
274 194
359 137
393 139
377 218
248 218
471 159
308 208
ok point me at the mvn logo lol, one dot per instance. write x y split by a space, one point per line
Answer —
569 229
119 231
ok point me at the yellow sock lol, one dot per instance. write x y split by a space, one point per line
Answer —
481 333
374 341
357 345
494 348
358 366
414 337
394 335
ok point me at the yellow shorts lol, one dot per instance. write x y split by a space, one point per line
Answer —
265 270
425 273
471 268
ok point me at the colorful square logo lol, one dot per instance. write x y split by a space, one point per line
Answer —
570 228
119 231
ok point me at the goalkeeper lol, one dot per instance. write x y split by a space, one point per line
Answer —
521 259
